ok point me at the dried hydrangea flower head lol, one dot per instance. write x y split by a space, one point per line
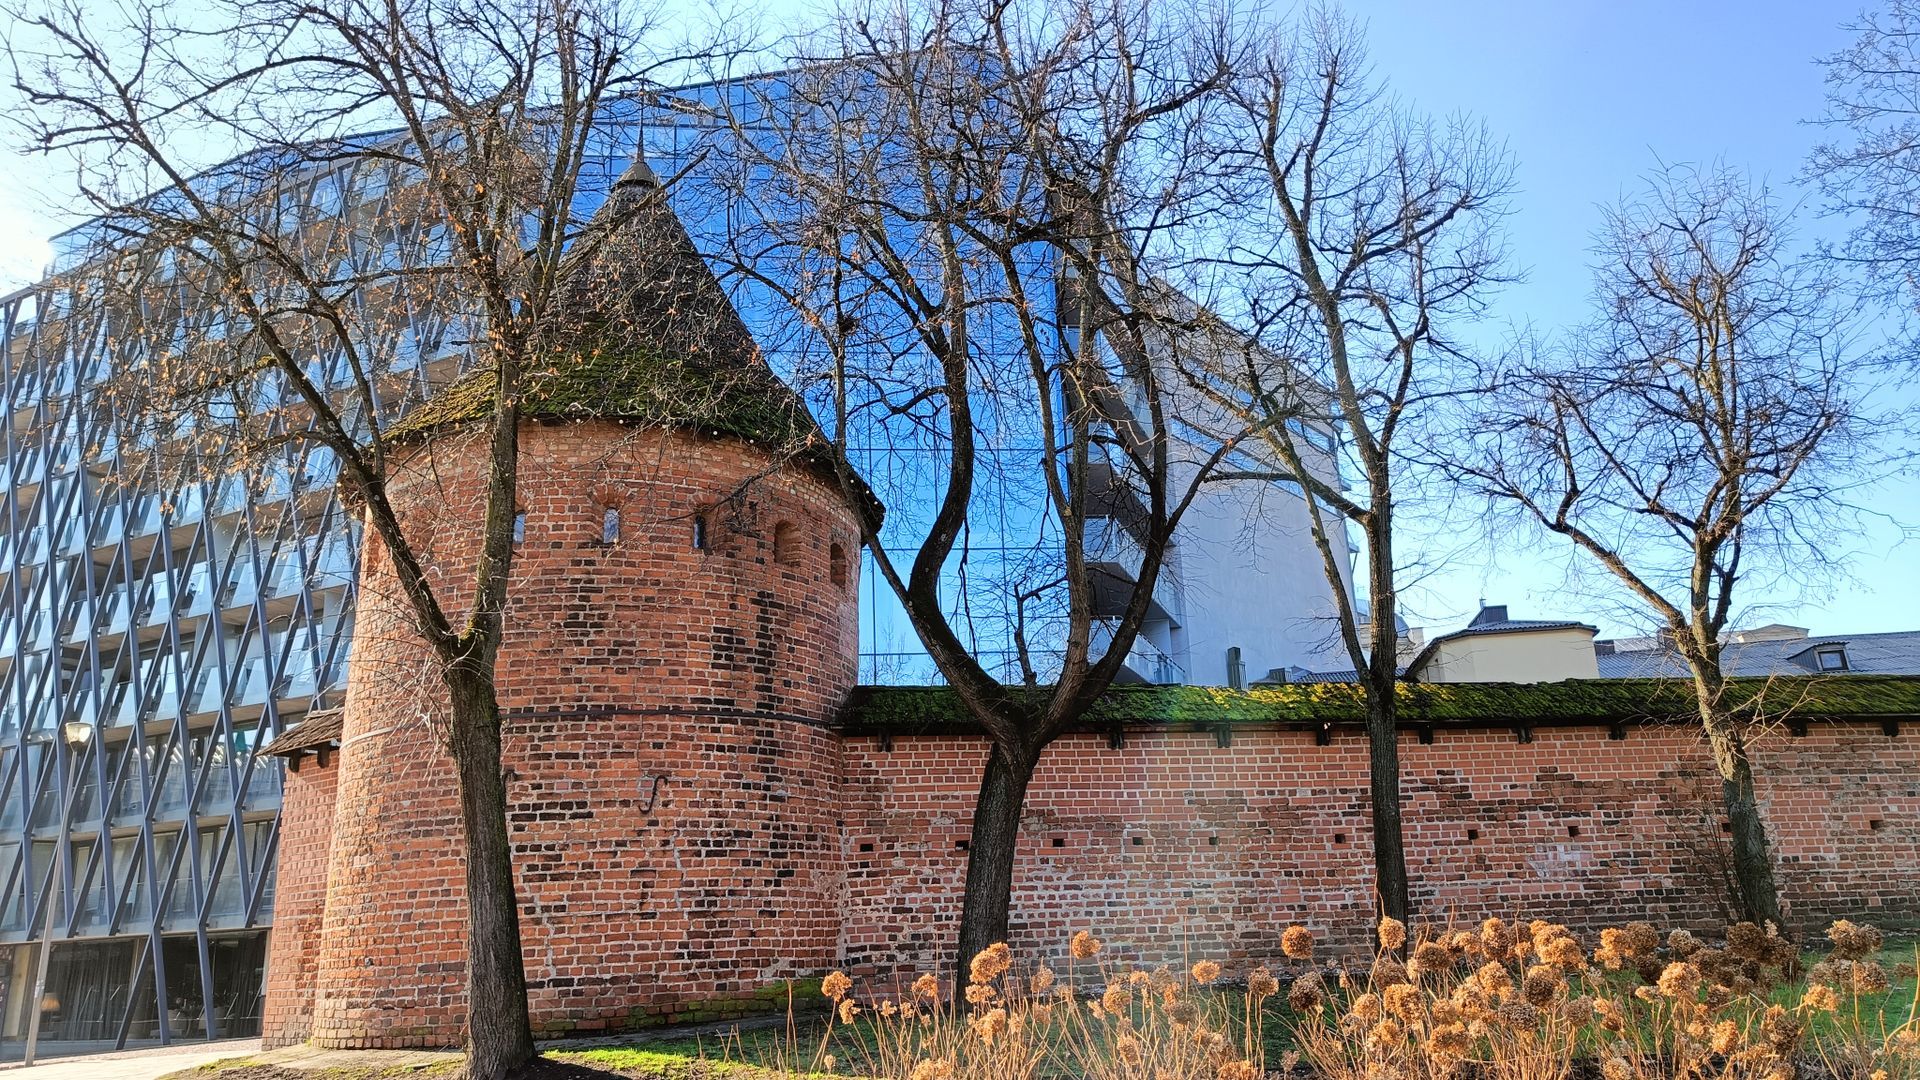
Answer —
1307 993
1084 946
1542 984
1497 938
1854 941
937 1069
1205 972
1261 984
1296 943
1820 998
1430 958
1393 934
990 963
836 986
1680 981
1401 1000
1387 971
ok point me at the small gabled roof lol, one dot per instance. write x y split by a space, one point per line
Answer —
1493 620
317 730
1889 653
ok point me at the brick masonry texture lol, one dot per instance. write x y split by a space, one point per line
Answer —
690 830
300 898
670 770
1175 847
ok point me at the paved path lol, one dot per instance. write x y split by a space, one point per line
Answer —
131 1064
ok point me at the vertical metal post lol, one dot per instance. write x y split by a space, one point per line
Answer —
46 950
76 734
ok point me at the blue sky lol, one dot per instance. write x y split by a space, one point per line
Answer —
1588 95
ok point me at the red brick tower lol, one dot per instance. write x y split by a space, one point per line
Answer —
681 632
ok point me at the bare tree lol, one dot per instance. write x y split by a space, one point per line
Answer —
268 314
968 213
1696 440
1869 175
1362 238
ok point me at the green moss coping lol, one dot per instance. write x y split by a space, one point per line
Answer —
937 710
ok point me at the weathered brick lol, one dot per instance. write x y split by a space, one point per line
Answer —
690 830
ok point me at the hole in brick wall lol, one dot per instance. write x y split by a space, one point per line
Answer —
786 544
1726 826
837 564
1213 841
1472 835
699 532
866 847
1573 830
1339 838
1876 824
1059 841
1139 841
960 845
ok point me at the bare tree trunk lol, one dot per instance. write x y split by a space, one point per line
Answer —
990 852
1383 723
1759 895
499 1033
1383 769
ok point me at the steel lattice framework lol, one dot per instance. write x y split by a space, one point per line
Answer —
158 626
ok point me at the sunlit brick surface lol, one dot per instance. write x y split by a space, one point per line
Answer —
668 759
690 829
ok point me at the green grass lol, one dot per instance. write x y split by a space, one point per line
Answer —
683 1060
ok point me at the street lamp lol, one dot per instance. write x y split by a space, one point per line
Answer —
76 734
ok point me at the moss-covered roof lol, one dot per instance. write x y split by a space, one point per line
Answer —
644 334
318 729
904 710
612 383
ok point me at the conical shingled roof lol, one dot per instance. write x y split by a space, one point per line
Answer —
647 335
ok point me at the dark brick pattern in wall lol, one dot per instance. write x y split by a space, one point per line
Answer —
668 754
1174 846
691 830
300 896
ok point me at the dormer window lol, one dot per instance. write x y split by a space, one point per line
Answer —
1832 658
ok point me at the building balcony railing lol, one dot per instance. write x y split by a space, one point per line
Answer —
1114 559
1145 663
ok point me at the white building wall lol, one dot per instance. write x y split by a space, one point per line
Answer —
1522 657
1254 581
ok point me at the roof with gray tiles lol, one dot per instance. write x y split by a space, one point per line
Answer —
1896 653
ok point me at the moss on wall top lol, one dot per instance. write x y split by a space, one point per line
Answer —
937 709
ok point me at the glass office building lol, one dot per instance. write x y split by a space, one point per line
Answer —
158 627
